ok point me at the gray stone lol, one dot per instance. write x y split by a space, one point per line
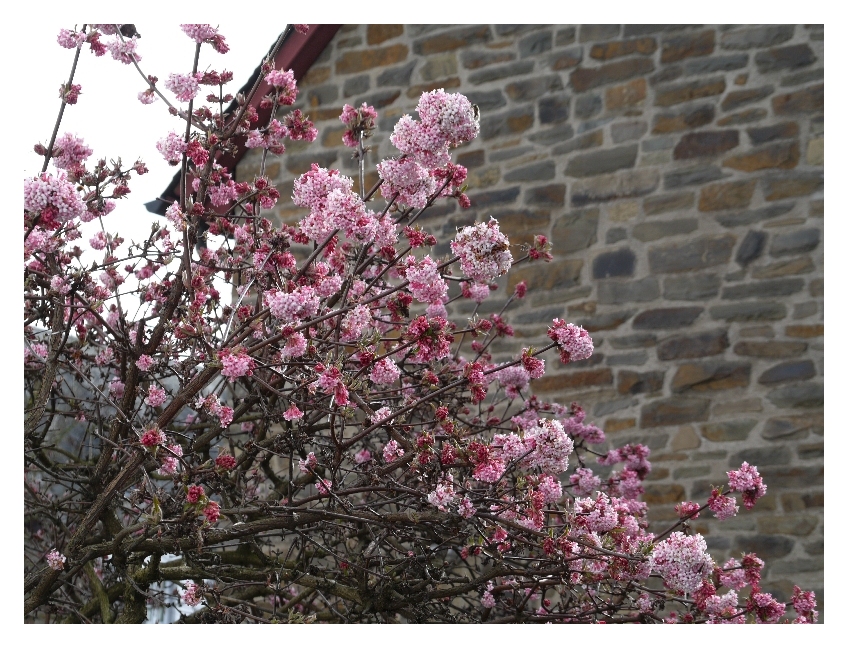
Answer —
767 547
749 311
654 230
554 110
785 427
512 30
697 345
575 230
605 321
751 216
800 78
500 72
635 341
784 58
509 153
692 176
625 184
497 197
728 430
801 311
396 76
615 235
751 247
503 123
676 410
795 242
617 291
666 318
605 161
585 141
487 100
634 382
773 288
693 255
535 87
626 131
552 135
619 263
587 106
538 171
691 287
757 37
657 144
322 95
716 64
539 315
357 85
788 372
768 456
548 195
627 359
608 407
803 394
598 32
566 36
710 376
535 44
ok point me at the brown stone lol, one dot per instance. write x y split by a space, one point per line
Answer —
587 78
547 195
793 427
626 96
728 430
612 425
574 231
452 40
567 59
547 276
633 382
774 156
770 349
726 195
416 91
315 76
359 60
624 184
377 34
472 60
663 494
737 98
801 501
799 525
801 265
673 122
698 345
705 143
615 49
672 95
520 226
804 101
744 117
805 330
676 410
605 321
680 47
784 130
780 187
668 202
685 439
574 380
711 376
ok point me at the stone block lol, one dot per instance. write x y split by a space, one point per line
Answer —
376 34
547 276
575 230
535 44
760 289
805 394
554 109
598 32
801 265
784 58
637 358
615 235
613 425
805 330
767 547
487 100
715 64
726 195
728 430
676 48
615 291
497 72
605 321
438 66
751 247
781 155
788 372
749 311
739 98
686 119
360 60
567 58
770 349
624 184
607 406
627 131
551 136
604 161
616 49
544 170
751 216
505 123
619 263
710 376
815 152
667 318
655 230
627 95
744 117
587 106
797 242
697 345
677 410
692 176
657 494
773 455
579 143
793 427
552 195
356 85
705 144
452 40
635 341
765 134
801 502
757 37
584 79
697 254
808 100
575 380
676 94
533 88
566 36
495 198
662 203
634 382
474 59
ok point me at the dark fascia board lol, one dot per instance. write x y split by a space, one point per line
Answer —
297 53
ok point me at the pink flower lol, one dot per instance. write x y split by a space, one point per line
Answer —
722 506
152 437
191 596
747 481
443 495
308 465
225 462
199 33
144 362
124 50
147 97
483 251
392 452
225 415
236 363
194 494
805 605
765 607
452 113
381 415
412 183
573 341
170 463
69 152
54 198
688 509
56 560
212 511
70 93
284 83
184 86
425 281
682 561
363 456
384 372
70 39
155 396
584 481
172 148
355 322
293 413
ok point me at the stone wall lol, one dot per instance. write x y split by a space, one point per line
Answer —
678 171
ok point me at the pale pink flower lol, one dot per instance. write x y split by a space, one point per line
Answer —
155 396
682 561
384 372
573 341
55 560
70 151
392 451
483 251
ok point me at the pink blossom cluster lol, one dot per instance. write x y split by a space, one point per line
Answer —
483 251
172 148
271 138
355 322
597 514
359 122
123 50
293 413
513 378
236 363
152 437
392 451
584 481
332 204
682 561
55 560
432 338
747 481
70 39
292 306
444 493
69 152
54 198
384 372
284 83
574 341
191 595
170 460
184 86
155 396
406 181
722 506
805 605
206 34
211 404
425 280
330 380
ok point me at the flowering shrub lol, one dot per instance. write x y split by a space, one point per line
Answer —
324 439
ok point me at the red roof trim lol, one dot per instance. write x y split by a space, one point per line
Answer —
297 53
